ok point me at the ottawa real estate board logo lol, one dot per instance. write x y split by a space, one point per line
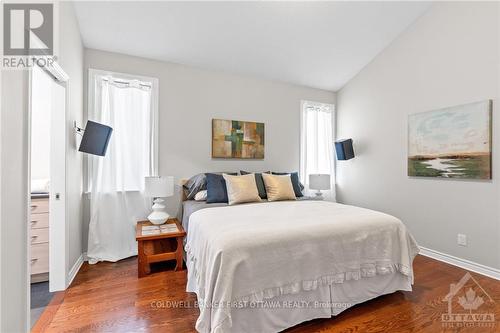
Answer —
469 306
28 34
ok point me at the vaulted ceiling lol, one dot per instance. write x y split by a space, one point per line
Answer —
316 44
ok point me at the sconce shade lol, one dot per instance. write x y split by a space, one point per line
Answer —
319 181
159 186
344 150
95 138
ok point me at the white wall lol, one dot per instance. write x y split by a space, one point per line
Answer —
14 186
14 201
450 56
40 142
1 189
71 60
191 97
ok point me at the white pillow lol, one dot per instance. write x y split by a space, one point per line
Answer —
201 196
241 189
40 185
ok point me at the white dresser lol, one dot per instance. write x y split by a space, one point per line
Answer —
39 235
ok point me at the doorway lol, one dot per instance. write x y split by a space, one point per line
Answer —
47 204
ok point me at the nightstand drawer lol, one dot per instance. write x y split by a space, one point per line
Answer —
39 221
39 206
39 258
39 235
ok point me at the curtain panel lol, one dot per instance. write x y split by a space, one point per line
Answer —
317 135
116 181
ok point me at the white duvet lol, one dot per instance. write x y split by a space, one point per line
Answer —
254 252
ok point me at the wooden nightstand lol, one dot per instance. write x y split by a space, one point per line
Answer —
159 247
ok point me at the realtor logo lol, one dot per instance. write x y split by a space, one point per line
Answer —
464 301
28 29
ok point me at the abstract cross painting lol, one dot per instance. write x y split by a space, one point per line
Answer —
237 139
454 142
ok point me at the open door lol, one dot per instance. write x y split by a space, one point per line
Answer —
57 199
48 96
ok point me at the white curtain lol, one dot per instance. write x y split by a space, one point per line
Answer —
317 144
117 179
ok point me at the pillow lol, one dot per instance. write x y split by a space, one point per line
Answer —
40 185
216 188
194 185
260 183
297 186
201 196
241 189
279 187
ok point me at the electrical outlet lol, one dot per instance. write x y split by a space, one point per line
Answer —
462 239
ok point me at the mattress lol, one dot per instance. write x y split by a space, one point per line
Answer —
191 206
239 256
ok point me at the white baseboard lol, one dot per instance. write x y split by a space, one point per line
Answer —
462 263
74 270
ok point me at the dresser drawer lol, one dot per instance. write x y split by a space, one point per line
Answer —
39 206
39 235
39 258
39 220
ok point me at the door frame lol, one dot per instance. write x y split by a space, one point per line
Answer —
58 233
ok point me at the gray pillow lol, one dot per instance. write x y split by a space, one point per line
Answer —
194 185
198 183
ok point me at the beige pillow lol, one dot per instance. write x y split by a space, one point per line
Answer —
241 189
278 187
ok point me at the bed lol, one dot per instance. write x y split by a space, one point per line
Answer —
265 267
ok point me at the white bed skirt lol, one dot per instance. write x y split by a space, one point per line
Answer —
285 311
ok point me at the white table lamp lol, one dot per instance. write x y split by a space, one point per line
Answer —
319 182
157 187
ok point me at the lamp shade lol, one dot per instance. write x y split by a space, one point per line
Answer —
159 186
319 182
95 138
344 150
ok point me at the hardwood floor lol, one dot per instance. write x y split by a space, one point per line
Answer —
108 297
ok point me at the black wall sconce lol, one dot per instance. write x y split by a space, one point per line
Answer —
95 138
344 150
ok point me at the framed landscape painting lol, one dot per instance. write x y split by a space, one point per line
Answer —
237 139
454 142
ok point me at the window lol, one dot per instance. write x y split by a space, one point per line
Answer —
317 142
116 181
127 104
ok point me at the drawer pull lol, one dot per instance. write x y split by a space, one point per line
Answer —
34 206
34 260
33 238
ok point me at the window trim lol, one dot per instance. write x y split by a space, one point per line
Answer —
91 93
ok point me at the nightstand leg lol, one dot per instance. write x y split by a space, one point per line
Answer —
178 255
141 260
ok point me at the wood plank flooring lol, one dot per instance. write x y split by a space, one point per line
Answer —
108 297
